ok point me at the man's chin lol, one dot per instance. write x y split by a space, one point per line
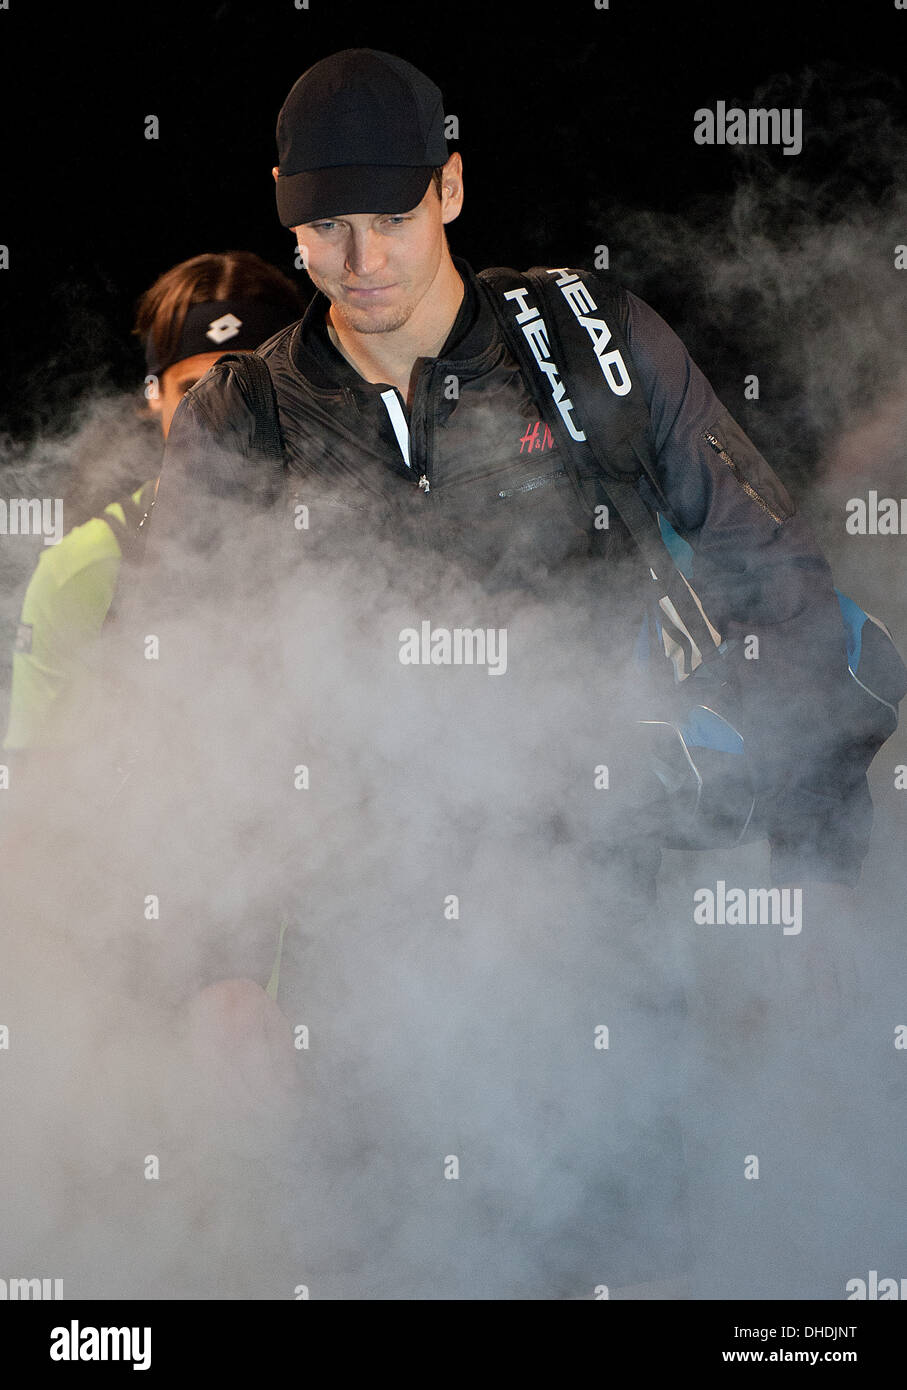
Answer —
378 319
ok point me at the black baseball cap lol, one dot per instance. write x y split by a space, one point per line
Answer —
361 131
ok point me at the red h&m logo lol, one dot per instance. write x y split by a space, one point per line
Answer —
537 436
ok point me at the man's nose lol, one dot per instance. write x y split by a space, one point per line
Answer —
364 254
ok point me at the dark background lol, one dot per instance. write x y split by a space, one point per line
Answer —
567 114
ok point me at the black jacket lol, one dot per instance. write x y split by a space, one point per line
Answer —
497 499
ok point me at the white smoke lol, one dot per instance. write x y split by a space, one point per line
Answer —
433 1036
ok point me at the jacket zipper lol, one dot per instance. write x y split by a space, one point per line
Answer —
533 483
420 426
747 487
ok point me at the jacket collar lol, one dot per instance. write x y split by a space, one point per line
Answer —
468 344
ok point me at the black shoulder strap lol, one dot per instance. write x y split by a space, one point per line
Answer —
256 378
578 365
131 532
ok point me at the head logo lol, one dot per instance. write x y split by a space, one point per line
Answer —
227 326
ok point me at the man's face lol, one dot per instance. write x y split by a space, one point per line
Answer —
376 268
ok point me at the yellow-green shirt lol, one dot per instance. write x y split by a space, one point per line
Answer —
66 602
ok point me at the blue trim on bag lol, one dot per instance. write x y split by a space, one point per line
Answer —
705 729
680 550
854 618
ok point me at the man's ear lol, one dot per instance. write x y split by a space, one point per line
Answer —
452 186
275 171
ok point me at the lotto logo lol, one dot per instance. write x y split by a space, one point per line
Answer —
227 326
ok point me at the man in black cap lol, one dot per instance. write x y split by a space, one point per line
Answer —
399 398
378 385
376 143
